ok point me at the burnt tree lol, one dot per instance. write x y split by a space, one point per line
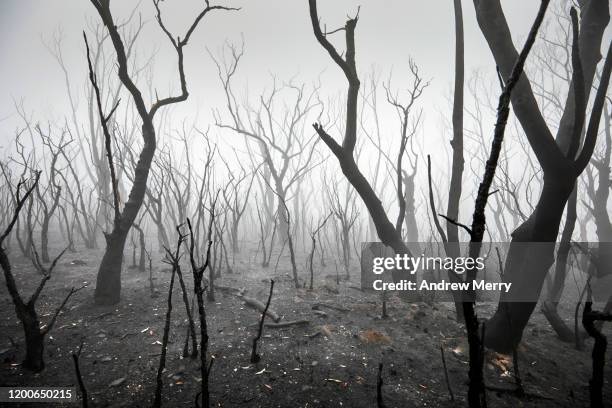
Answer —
26 310
108 284
562 158
344 152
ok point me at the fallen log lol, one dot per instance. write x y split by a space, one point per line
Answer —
230 290
257 305
250 302
287 324
318 306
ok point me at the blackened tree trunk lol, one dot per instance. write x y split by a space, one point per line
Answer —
555 290
476 391
44 229
34 338
454 192
385 229
527 265
410 222
26 313
26 310
108 284
53 190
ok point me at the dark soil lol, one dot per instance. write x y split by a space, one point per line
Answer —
331 362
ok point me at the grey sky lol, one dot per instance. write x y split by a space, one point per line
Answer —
278 39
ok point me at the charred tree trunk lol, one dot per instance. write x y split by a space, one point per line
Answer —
34 338
530 256
44 229
108 283
26 310
344 153
287 219
555 290
476 391
410 222
589 318
198 274
527 265
142 262
454 192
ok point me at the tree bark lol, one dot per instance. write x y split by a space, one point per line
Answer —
108 284
386 230
34 339
454 193
527 265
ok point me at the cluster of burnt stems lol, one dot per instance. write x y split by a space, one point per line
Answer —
166 190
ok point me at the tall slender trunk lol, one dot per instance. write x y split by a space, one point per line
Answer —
410 222
454 193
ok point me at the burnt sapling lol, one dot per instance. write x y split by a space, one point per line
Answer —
589 318
173 259
254 356
26 310
198 275
77 369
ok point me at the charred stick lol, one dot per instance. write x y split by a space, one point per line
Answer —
254 356
379 384
77 369
162 358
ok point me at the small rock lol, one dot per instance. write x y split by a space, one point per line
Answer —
117 382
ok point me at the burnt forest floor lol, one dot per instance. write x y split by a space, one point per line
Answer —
330 362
